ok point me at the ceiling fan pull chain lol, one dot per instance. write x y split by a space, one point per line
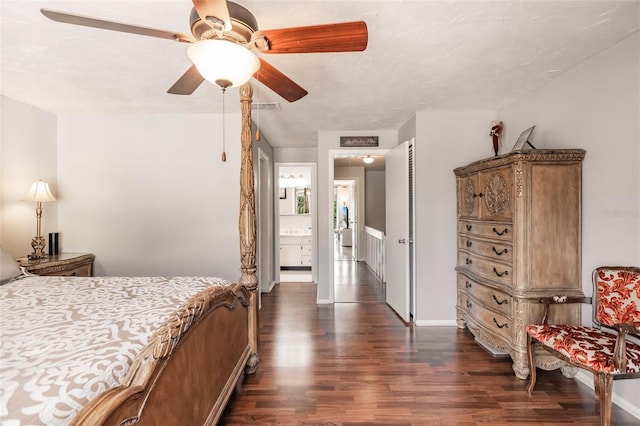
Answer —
224 154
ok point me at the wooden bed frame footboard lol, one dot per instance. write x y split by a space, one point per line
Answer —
187 372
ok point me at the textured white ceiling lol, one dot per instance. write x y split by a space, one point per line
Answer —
422 55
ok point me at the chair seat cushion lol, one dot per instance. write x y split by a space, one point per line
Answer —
586 346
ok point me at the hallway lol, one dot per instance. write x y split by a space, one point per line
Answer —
354 282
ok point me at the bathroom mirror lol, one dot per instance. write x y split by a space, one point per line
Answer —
302 200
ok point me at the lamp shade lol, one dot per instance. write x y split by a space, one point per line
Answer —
39 192
223 62
368 159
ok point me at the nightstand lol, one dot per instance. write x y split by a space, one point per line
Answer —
65 264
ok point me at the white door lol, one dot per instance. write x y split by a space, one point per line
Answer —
397 228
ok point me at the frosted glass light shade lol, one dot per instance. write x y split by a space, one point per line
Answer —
223 62
39 192
368 159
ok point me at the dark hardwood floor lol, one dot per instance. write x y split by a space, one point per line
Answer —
356 363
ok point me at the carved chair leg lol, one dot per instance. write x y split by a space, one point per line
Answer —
532 364
596 386
605 382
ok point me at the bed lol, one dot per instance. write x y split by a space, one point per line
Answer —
125 351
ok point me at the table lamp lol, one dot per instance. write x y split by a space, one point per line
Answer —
40 193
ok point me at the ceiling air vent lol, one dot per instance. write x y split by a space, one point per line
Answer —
266 105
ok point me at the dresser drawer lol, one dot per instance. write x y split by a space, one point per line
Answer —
493 231
80 271
501 251
492 321
495 271
491 298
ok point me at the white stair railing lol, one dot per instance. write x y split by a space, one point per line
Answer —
375 240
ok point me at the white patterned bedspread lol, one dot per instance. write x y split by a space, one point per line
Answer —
64 340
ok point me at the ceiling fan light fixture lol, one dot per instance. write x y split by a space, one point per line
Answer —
223 62
368 159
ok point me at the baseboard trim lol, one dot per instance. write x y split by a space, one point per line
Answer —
587 379
435 323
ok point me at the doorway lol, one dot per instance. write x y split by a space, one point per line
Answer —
296 222
352 207
344 219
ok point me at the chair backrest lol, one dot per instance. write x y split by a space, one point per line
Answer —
616 296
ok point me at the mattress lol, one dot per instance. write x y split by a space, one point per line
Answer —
65 340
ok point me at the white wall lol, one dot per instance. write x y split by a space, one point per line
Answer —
444 141
148 194
295 155
375 199
596 106
27 153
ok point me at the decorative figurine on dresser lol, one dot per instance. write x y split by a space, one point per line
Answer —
519 239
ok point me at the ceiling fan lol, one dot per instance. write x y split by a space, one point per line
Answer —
225 24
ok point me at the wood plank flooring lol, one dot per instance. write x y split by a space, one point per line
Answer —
356 363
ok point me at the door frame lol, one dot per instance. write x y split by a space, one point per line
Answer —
354 183
314 217
265 228
329 218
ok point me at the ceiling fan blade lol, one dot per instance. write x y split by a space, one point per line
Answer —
215 13
85 21
278 82
343 37
187 83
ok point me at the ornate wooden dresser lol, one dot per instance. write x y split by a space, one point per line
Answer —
519 238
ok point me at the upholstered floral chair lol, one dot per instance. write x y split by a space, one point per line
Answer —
604 349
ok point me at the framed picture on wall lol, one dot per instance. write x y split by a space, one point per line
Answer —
358 141
283 193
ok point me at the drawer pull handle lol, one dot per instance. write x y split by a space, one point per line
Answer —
468 261
505 325
499 302
505 231
469 304
469 243
499 253
500 274
480 195
469 227
467 284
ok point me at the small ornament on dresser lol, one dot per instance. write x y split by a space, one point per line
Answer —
54 243
496 135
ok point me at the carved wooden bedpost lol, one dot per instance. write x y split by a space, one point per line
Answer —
248 276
